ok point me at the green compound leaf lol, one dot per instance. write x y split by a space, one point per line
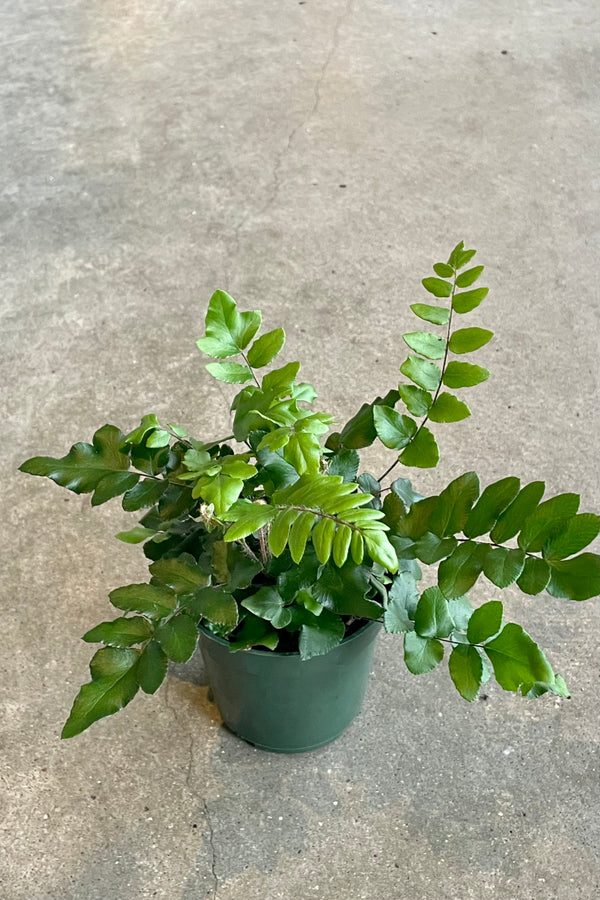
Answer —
454 505
152 600
152 667
493 501
443 270
136 535
182 574
432 616
247 517
228 332
402 603
230 372
425 374
146 493
264 350
268 604
466 671
394 431
85 466
512 519
320 635
437 315
430 345
468 300
254 632
421 654
423 452
215 604
447 408
503 566
466 279
459 572
465 340
178 637
576 534
417 400
575 579
485 622
547 520
114 684
344 463
535 576
437 286
122 632
459 375
517 659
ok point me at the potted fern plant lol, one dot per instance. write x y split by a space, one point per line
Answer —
270 546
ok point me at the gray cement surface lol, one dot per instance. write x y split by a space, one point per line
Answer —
312 158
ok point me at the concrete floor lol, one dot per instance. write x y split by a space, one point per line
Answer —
314 159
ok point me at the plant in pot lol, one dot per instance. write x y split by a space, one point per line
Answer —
271 549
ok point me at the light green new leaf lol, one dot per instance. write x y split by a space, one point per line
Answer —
114 684
148 424
423 452
416 399
303 451
517 659
299 533
421 654
230 372
466 279
158 438
178 637
485 622
454 505
430 345
468 300
280 530
320 635
437 286
466 671
459 375
152 600
535 576
512 519
503 566
576 534
152 667
493 501
443 270
220 490
228 332
247 517
426 374
437 315
122 632
448 408
85 465
432 616
264 350
465 340
575 579
459 572
394 431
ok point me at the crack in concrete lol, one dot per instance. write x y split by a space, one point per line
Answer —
334 45
211 841
194 793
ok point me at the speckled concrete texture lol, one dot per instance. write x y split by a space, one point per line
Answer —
313 158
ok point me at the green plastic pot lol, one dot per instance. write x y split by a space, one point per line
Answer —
278 702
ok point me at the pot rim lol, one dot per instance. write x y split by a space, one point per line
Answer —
273 653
